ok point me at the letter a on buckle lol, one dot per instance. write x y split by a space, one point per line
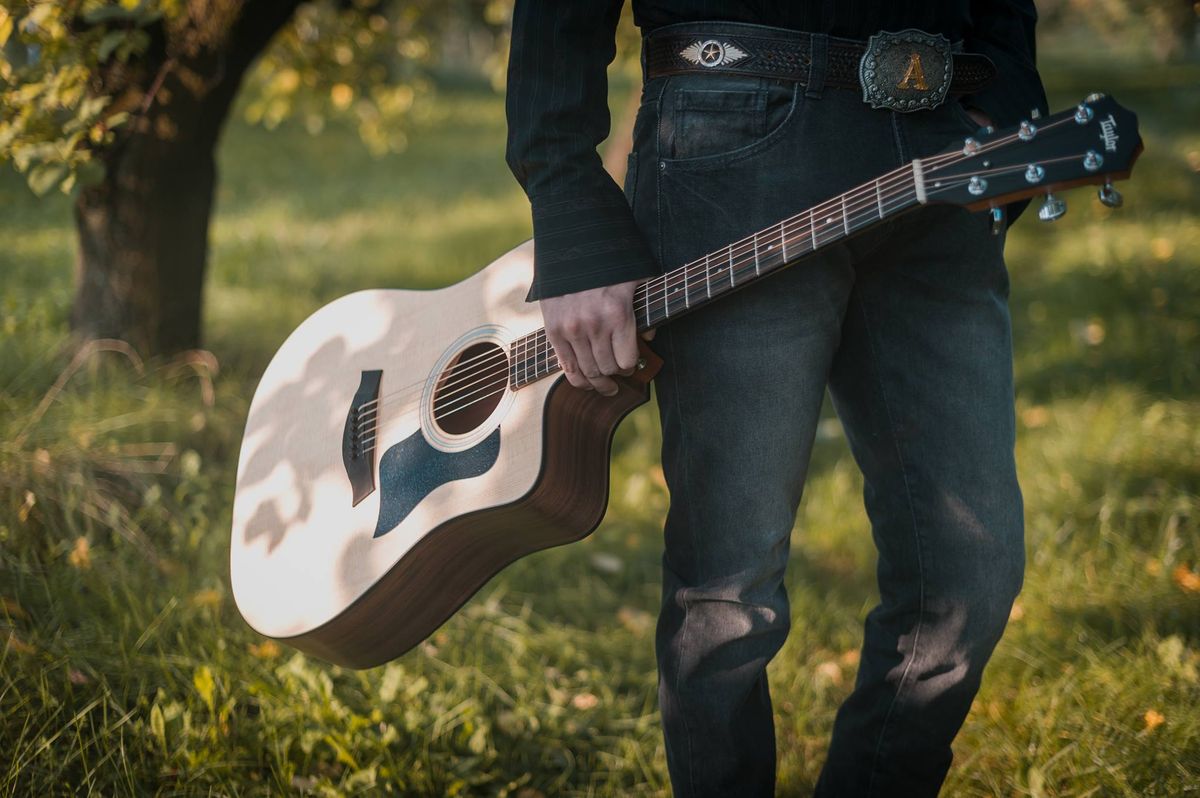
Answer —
909 70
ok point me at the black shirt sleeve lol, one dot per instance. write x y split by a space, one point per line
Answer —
557 108
1003 30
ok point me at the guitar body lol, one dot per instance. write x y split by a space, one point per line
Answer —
356 559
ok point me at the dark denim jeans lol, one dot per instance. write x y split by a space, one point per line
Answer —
908 326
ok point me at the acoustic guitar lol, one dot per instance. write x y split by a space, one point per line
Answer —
404 446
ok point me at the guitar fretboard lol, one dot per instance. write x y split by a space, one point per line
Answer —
741 262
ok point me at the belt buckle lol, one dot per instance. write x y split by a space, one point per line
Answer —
908 70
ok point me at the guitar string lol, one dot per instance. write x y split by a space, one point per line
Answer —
954 181
861 201
802 235
933 164
744 268
930 167
888 180
885 181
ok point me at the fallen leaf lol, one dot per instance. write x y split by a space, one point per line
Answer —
1162 248
1035 417
1186 578
830 672
210 597
205 684
81 554
26 506
639 622
585 701
267 649
1153 719
18 645
12 609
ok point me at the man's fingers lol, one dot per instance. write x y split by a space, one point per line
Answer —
602 353
624 346
593 333
566 358
589 368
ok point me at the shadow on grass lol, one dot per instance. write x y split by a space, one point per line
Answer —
1113 621
1147 319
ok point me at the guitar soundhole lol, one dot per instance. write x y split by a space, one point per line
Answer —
470 388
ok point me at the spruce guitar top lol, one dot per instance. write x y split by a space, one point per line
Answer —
404 446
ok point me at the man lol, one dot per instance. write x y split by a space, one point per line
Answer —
907 324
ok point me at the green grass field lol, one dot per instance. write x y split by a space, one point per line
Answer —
125 668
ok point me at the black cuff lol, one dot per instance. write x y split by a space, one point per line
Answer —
582 242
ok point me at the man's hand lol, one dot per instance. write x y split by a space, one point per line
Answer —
594 335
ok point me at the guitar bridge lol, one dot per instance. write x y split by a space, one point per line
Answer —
358 438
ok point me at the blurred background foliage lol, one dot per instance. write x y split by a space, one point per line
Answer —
101 97
365 60
66 64
124 666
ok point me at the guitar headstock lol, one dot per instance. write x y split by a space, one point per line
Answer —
1097 142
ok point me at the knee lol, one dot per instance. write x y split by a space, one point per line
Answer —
993 591
706 632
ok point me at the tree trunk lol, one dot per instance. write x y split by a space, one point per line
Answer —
143 231
143 239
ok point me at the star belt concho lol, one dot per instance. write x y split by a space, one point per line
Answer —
712 53
906 71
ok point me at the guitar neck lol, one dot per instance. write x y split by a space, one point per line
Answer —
741 262
744 261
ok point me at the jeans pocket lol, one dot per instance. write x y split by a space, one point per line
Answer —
711 120
714 122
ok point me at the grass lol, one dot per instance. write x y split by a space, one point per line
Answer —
126 669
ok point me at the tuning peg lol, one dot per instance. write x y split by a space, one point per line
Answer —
1094 97
997 221
1110 196
1035 113
1052 209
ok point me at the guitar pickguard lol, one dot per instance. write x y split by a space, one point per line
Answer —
412 469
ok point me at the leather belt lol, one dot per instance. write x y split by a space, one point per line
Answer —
761 51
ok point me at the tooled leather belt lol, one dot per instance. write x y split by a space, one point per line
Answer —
906 70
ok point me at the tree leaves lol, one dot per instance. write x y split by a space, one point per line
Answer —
45 176
54 121
63 65
6 25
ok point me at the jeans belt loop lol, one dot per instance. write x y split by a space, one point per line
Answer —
818 51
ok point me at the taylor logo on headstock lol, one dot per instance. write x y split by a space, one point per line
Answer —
1108 133
906 71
